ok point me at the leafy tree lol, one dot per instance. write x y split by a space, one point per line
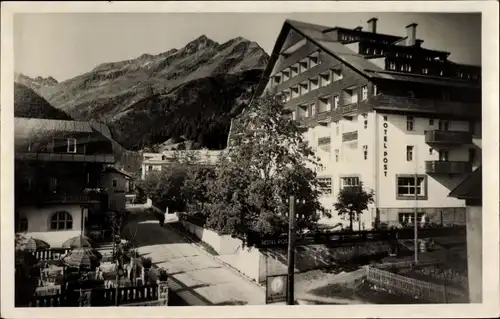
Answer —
196 187
164 187
352 201
267 161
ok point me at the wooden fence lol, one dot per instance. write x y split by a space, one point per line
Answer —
105 297
413 287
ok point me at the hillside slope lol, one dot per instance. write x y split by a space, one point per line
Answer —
27 103
183 94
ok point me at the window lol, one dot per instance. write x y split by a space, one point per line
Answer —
392 65
294 70
304 87
472 155
324 104
337 155
325 79
21 224
313 109
407 218
336 101
366 124
425 70
313 84
431 121
115 183
430 151
313 60
303 65
410 123
277 79
29 145
61 221
375 90
365 152
295 91
409 185
294 116
88 178
325 185
304 110
337 75
444 125
349 181
443 155
286 75
71 145
409 153
364 93
351 96
53 185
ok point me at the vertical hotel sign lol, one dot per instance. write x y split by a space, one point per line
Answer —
385 158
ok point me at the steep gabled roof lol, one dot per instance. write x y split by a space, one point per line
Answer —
316 34
471 187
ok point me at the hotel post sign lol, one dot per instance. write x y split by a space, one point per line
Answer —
276 288
385 158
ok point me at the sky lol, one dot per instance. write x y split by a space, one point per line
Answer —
64 45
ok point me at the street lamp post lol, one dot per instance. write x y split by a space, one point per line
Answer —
291 252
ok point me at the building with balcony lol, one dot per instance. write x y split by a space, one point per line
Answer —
152 162
384 111
61 177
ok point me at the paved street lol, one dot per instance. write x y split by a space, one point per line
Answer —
195 276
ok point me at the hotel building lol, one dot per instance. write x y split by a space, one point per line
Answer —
157 161
384 111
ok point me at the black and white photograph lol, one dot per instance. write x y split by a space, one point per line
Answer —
322 158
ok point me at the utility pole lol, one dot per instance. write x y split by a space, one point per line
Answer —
291 252
415 217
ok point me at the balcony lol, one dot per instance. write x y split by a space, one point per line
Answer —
429 107
42 197
72 199
448 167
350 136
66 157
448 137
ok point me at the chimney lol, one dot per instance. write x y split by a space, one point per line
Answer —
372 25
411 34
418 43
358 28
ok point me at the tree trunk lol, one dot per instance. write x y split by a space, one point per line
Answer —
350 221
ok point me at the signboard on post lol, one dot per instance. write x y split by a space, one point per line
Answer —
276 287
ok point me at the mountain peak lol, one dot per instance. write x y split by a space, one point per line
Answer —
200 43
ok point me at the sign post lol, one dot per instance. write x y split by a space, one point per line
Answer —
291 252
276 289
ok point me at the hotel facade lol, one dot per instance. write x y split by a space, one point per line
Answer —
383 111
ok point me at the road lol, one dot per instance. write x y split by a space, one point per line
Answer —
194 276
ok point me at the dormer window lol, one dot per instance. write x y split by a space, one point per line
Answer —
313 84
392 65
325 104
303 65
337 75
295 91
314 60
286 75
71 145
294 70
351 95
304 87
325 79
277 79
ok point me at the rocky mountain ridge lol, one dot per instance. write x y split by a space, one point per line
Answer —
186 94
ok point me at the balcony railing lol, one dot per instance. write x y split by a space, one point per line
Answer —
55 157
447 167
350 136
73 199
407 104
448 137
